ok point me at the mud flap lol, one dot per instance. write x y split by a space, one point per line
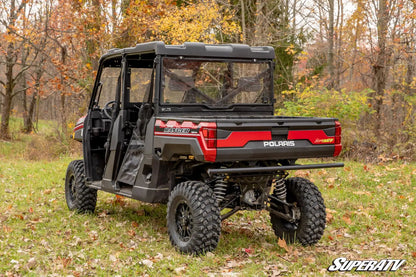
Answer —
132 161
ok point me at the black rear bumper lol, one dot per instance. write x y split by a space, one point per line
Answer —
247 170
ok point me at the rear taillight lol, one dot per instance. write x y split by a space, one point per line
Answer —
338 146
337 132
210 137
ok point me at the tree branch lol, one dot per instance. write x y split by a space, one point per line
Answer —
19 91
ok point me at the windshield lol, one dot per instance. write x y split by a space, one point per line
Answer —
215 83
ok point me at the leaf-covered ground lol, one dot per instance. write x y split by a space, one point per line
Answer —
371 212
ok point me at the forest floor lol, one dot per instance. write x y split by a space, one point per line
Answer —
371 212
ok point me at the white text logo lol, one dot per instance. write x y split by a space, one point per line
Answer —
342 264
289 143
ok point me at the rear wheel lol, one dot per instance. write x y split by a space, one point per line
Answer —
78 196
193 218
309 228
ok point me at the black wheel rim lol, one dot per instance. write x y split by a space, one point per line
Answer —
71 189
184 224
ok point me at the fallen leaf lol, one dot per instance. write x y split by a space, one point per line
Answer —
93 235
329 217
147 263
179 270
232 264
31 264
330 180
282 243
347 235
7 229
141 212
362 193
248 250
102 214
158 257
346 219
310 260
131 233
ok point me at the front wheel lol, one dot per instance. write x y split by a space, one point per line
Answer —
193 218
78 195
308 202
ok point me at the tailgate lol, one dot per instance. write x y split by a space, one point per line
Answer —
272 138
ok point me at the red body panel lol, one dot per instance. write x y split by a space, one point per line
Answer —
210 153
240 138
314 136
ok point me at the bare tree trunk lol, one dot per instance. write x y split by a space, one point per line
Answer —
62 96
354 53
243 20
338 47
11 80
259 27
380 65
331 45
5 117
410 55
26 128
8 96
28 119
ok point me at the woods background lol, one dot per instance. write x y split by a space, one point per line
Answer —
354 60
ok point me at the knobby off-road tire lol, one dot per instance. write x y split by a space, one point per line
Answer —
310 227
78 196
193 218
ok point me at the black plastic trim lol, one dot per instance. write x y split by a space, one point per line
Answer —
271 168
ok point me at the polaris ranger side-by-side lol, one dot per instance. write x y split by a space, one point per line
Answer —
192 126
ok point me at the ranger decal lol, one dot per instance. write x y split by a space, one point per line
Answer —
176 130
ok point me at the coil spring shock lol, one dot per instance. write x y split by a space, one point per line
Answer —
220 189
280 188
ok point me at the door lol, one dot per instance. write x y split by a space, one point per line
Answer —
126 135
98 120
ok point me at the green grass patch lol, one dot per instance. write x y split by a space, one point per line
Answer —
46 143
371 213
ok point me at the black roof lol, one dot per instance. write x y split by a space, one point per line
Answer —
197 49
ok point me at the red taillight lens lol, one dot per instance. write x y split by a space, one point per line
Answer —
210 137
338 146
337 132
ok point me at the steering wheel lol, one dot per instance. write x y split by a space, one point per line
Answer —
107 110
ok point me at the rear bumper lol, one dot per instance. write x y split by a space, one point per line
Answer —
248 170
